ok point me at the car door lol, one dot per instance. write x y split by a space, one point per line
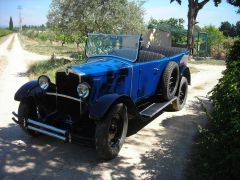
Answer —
149 75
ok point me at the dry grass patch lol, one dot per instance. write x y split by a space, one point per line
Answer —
50 48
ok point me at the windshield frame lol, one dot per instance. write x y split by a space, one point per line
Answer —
139 36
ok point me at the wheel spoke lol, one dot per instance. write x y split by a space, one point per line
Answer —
115 131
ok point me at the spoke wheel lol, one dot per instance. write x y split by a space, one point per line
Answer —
179 103
170 80
27 110
111 132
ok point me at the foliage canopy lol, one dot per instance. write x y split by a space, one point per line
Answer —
175 26
111 16
218 148
10 24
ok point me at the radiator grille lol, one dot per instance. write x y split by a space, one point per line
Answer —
67 84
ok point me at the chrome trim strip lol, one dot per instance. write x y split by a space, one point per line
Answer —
62 95
147 107
80 108
131 83
47 133
71 71
47 126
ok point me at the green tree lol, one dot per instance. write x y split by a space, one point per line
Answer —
175 26
225 27
237 26
235 3
194 6
64 37
230 30
10 24
197 29
110 16
215 37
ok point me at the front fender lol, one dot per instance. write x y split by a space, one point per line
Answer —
98 110
29 90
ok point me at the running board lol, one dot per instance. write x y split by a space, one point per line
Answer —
155 108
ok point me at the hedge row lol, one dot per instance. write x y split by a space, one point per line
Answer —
217 151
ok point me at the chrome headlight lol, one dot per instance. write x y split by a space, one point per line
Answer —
44 82
83 90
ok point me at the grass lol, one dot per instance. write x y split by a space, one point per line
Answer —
208 61
48 68
4 32
48 48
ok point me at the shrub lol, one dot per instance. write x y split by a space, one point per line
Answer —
217 149
234 53
219 51
215 37
226 117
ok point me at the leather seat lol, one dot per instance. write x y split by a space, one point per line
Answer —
146 56
169 51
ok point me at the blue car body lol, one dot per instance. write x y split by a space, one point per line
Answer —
132 75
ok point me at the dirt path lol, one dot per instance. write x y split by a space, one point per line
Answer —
159 150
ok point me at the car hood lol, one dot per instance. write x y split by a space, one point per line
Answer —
100 66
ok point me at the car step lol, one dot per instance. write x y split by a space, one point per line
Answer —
155 108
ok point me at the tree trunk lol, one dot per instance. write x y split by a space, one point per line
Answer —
193 8
192 11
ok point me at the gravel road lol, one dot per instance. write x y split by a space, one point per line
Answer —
157 150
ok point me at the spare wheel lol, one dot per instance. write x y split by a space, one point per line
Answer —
170 79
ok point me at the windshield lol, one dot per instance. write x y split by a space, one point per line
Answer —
125 46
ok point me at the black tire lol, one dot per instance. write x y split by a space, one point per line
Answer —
179 103
27 110
170 80
111 132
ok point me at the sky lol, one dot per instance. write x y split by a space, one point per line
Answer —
34 12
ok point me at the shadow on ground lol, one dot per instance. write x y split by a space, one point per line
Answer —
24 157
168 157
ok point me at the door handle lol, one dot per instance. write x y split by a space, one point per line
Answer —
156 69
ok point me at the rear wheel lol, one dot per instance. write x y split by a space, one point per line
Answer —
27 110
179 103
111 132
170 80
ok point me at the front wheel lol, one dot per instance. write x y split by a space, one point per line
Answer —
27 110
111 132
179 103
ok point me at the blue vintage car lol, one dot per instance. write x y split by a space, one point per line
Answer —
123 81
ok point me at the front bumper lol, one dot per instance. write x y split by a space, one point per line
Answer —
42 128
66 135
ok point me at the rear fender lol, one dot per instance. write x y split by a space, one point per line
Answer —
186 73
98 110
29 90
